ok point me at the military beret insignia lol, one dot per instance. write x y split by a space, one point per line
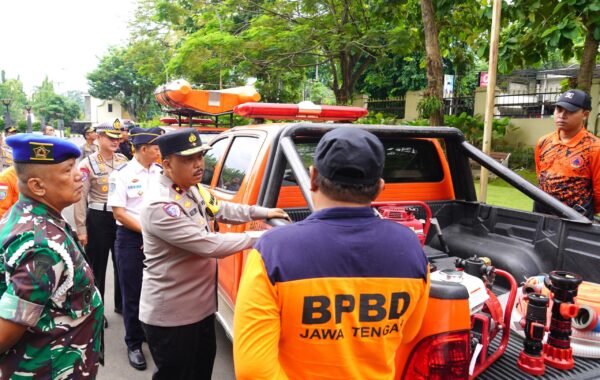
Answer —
41 151
172 210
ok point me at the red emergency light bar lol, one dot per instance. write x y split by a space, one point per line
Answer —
300 111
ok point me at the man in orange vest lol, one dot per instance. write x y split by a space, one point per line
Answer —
9 192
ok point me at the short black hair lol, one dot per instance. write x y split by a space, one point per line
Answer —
355 193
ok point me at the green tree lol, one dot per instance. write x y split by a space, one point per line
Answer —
13 89
52 107
538 28
130 75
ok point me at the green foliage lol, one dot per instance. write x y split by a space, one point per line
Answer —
130 75
472 128
12 89
378 118
429 105
52 107
534 30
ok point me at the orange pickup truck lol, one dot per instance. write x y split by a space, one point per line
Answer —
267 165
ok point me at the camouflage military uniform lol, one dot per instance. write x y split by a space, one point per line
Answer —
47 286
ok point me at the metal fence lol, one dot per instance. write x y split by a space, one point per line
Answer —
392 106
458 104
525 104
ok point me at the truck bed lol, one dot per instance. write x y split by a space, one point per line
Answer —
506 366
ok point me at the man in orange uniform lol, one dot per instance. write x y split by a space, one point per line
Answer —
9 191
567 161
335 295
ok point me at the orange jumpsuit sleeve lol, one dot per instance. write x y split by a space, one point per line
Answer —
595 167
256 324
9 192
536 156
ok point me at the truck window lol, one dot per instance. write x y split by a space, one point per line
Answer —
211 158
239 158
406 160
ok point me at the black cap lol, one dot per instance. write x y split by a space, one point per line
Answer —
183 142
573 100
89 129
350 156
139 136
10 129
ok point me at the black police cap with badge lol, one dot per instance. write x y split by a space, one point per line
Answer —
141 136
10 129
350 156
184 142
29 148
89 129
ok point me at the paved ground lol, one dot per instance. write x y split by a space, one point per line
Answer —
116 364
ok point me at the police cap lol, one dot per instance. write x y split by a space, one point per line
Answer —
89 129
31 148
350 156
111 128
183 142
10 129
139 136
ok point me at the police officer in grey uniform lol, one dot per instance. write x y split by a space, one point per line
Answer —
89 146
178 298
6 158
94 221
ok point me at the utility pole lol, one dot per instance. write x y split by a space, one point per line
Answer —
491 93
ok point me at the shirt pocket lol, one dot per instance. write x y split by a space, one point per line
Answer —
134 191
79 299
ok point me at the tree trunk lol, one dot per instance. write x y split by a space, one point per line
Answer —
588 61
435 74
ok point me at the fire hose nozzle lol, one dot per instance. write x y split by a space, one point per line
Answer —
569 310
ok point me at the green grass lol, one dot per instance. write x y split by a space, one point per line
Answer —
503 194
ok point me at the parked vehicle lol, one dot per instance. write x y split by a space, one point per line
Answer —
267 165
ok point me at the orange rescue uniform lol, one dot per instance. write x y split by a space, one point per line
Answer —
330 297
570 171
9 192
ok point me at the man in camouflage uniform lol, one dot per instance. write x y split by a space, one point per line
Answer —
50 310
94 221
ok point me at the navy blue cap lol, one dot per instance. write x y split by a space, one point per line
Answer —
183 142
574 100
39 149
139 136
10 129
350 156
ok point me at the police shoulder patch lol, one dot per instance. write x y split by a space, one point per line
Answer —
172 210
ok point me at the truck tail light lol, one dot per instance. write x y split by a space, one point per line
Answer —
440 357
